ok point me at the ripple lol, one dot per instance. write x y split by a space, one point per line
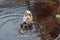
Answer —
9 16
6 22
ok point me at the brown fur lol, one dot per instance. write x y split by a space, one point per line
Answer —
44 14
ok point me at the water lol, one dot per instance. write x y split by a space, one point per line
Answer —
10 20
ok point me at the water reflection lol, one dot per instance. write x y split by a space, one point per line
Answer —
44 13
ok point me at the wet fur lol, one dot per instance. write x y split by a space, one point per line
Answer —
27 21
